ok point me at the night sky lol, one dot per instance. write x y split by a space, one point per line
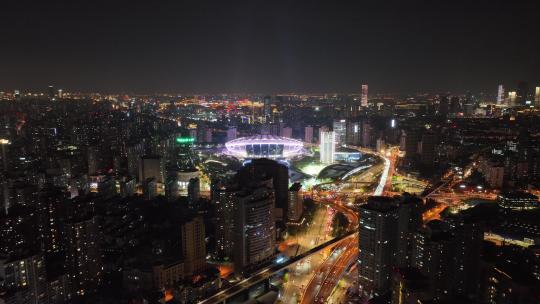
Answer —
269 46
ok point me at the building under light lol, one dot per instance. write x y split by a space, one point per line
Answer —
500 94
327 147
265 146
364 98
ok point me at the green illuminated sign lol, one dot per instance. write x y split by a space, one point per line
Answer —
185 140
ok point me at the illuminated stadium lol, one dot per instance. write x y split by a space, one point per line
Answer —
268 146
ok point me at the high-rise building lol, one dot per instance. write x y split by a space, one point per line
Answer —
51 92
231 133
537 97
364 97
409 143
254 226
308 134
286 132
193 245
93 165
448 253
262 169
24 279
443 106
226 202
51 204
522 93
354 132
267 109
377 244
83 256
327 147
194 190
296 206
340 131
512 98
151 166
427 149
367 133
500 94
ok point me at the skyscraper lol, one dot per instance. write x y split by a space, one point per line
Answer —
226 202
427 146
286 132
83 257
340 131
193 245
151 166
295 203
231 133
267 109
327 147
308 134
537 97
500 94
364 97
262 169
378 244
522 93
254 226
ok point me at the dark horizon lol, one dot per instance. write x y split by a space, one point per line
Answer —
256 47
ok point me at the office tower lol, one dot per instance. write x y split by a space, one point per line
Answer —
353 136
380 145
427 149
92 160
364 97
340 131
60 93
327 147
500 95
409 143
296 206
512 98
469 105
308 134
522 93
286 132
255 226
367 133
180 173
231 133
134 153
225 201
50 92
261 169
193 246
537 97
194 190
151 166
83 256
455 105
23 279
150 188
443 106
377 244
409 221
267 109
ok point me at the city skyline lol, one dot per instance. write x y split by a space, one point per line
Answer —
273 47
